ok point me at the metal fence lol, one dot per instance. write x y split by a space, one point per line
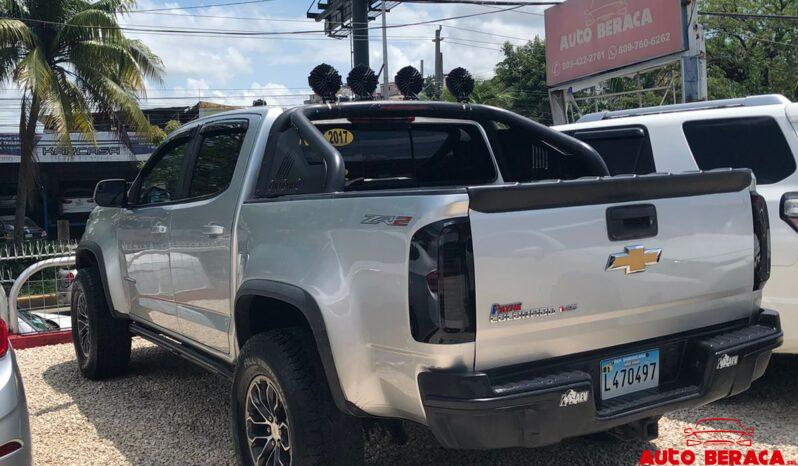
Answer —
37 280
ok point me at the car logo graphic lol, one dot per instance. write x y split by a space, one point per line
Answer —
604 10
726 361
719 431
572 397
634 259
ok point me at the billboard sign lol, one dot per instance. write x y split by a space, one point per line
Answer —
108 148
589 37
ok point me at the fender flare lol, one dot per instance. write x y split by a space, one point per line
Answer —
306 304
94 250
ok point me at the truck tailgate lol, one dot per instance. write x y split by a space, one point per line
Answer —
546 283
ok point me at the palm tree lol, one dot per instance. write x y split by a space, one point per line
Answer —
70 58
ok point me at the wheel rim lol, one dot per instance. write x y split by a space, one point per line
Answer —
83 323
268 431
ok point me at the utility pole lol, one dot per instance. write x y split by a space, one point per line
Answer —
438 64
694 62
422 68
385 84
360 31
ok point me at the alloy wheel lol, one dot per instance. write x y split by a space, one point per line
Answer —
268 432
83 324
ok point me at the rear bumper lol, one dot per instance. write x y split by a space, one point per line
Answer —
520 406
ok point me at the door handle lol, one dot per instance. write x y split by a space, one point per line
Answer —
630 222
213 230
159 229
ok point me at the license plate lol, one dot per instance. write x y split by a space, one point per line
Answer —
629 374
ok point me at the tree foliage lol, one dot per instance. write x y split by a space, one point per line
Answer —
171 126
70 59
745 56
749 56
522 73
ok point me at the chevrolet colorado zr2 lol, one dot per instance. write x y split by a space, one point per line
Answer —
455 265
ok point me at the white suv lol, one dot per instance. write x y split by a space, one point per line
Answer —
755 132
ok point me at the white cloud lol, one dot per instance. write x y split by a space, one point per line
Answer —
233 68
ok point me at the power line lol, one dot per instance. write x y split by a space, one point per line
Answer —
486 33
748 15
253 33
238 18
483 2
210 5
756 39
473 46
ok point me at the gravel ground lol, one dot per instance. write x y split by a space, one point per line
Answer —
166 411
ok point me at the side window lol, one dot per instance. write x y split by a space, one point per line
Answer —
625 150
216 158
756 143
161 181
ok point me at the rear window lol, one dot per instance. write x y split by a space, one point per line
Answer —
756 143
385 156
625 150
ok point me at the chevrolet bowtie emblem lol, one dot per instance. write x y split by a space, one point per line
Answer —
634 259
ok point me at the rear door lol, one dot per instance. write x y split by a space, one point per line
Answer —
202 226
564 267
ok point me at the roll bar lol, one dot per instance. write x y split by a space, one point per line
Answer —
302 119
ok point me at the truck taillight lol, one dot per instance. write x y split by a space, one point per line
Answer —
761 241
441 285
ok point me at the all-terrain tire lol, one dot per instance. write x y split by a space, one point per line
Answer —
287 362
102 342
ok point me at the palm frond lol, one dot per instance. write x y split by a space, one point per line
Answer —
114 6
91 24
34 73
111 97
14 32
67 110
149 65
8 60
14 8
129 62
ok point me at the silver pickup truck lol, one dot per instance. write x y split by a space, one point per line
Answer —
455 265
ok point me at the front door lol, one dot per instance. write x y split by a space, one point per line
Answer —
143 234
202 227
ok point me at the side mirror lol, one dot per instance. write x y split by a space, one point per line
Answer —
110 193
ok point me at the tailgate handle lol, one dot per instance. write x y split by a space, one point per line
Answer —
632 222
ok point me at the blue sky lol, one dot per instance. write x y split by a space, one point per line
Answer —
236 70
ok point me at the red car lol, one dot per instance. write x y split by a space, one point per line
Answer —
603 10
719 431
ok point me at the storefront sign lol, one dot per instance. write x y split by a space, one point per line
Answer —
108 148
589 37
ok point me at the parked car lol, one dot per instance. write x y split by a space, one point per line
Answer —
64 280
38 322
77 201
8 202
32 230
408 260
758 133
15 441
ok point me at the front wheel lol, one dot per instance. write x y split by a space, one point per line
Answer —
102 342
282 409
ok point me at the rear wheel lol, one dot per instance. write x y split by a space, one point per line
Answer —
282 409
102 343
